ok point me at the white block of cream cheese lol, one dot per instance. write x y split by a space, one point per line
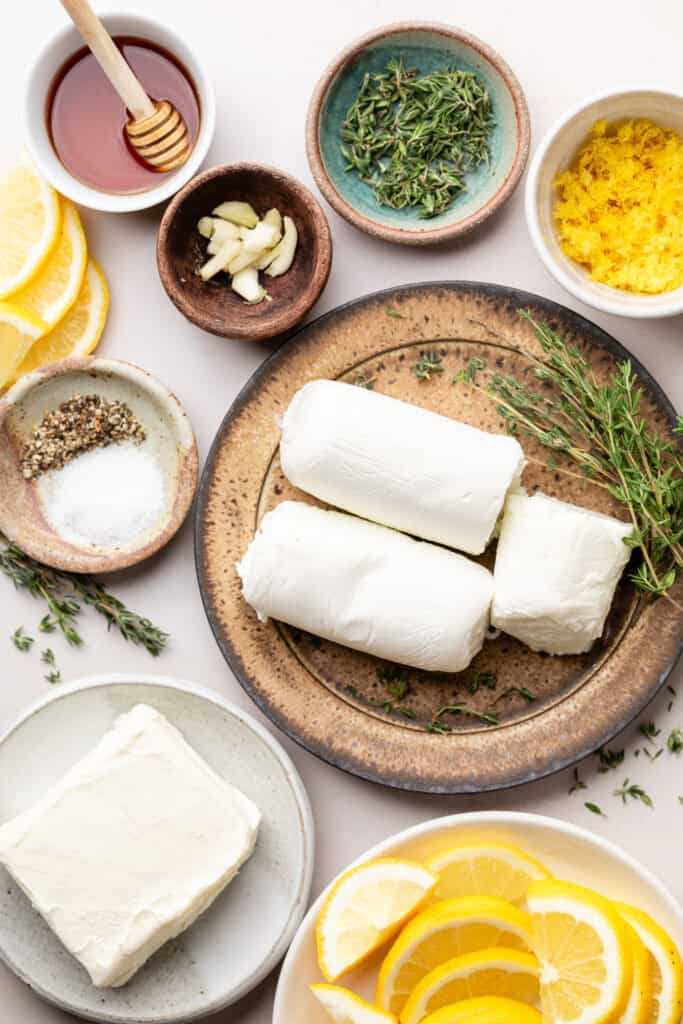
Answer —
367 587
557 567
131 846
398 464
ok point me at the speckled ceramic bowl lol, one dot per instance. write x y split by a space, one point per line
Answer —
428 47
244 933
169 441
554 155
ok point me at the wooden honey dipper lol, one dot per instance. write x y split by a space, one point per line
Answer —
155 130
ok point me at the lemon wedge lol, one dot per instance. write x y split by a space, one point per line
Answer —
79 332
511 973
30 219
346 1007
19 329
485 1010
442 932
485 869
584 952
54 289
365 908
665 969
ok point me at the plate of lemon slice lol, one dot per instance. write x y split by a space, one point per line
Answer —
488 918
53 295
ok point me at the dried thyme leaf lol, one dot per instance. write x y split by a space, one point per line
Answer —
594 809
427 364
412 139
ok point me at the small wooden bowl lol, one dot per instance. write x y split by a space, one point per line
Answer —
428 47
169 439
213 305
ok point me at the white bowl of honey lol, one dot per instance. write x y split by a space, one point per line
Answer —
75 121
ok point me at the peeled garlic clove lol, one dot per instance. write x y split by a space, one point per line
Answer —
205 227
283 254
246 284
238 213
274 218
263 236
220 260
223 232
243 260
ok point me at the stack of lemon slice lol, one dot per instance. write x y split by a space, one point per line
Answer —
482 934
53 297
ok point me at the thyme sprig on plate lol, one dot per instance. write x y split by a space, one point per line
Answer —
599 427
65 593
413 138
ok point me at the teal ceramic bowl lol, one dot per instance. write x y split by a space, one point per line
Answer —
427 47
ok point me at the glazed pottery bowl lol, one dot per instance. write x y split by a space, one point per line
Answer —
569 852
169 441
429 47
555 154
213 305
45 66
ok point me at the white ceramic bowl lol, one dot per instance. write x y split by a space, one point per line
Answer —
48 62
555 153
567 851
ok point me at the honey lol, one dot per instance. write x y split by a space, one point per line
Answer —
86 118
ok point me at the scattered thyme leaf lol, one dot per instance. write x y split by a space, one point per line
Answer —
393 312
609 759
635 792
675 741
522 691
363 381
427 364
47 624
486 679
653 755
21 641
48 656
594 809
488 717
649 730
577 783
54 677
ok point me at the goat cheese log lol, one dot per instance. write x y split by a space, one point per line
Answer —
397 464
367 587
557 567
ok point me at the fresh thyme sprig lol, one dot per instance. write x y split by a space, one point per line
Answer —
412 139
65 593
427 364
599 427
635 792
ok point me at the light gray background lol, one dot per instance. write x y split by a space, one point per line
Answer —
264 57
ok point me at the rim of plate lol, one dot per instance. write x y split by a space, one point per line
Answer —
102 680
380 849
597 301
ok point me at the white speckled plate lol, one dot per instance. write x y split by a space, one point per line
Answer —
244 933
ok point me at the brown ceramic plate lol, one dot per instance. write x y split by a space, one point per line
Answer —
331 699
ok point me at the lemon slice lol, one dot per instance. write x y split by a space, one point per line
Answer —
19 330
665 969
443 931
78 333
485 1010
485 869
512 973
639 1005
30 218
366 908
346 1007
584 952
54 289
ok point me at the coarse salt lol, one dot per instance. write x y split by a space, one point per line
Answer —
105 497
